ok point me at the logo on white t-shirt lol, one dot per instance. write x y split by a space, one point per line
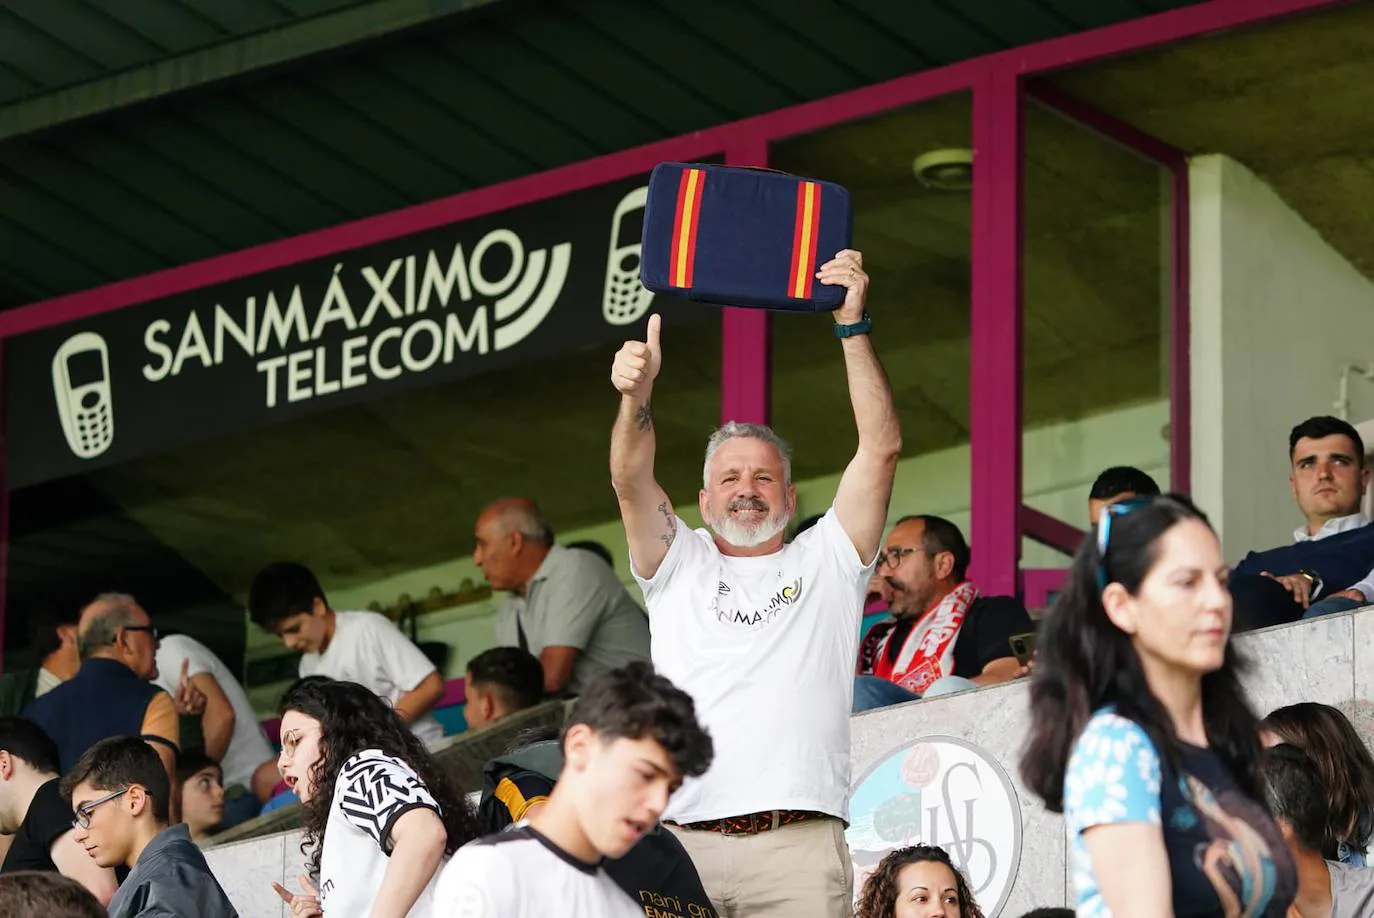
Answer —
940 790
470 902
776 605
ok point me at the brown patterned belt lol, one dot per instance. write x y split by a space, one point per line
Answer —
752 824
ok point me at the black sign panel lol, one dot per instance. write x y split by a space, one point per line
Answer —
491 292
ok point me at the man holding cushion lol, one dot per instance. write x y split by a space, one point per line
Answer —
761 633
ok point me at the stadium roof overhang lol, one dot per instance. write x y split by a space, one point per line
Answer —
127 147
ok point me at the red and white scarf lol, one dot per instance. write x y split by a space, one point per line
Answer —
927 653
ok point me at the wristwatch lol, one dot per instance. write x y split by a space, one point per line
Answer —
861 327
1314 579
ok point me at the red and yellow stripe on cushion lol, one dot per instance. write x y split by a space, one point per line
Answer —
684 250
804 240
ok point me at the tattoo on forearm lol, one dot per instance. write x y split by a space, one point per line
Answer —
671 533
644 417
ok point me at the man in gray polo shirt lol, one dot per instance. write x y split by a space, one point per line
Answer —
567 607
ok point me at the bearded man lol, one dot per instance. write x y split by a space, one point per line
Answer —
762 634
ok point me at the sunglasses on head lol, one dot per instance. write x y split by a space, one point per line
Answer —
1104 532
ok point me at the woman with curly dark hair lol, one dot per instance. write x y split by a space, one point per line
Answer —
917 881
379 816
1140 732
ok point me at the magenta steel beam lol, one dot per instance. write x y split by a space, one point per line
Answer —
1107 126
1045 56
746 347
1149 147
1180 342
1050 530
4 512
995 333
799 119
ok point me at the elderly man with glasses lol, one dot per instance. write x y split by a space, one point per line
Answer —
943 636
112 693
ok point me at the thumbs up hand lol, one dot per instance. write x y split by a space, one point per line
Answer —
637 362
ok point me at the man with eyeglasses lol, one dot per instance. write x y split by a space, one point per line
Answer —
111 695
119 794
943 636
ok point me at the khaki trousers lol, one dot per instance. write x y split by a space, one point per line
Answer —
801 870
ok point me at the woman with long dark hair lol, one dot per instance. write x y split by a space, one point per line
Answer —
1345 767
915 882
379 816
1141 735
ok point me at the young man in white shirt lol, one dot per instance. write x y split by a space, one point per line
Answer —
361 647
630 740
762 634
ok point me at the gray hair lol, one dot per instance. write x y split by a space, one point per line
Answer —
762 432
525 517
114 611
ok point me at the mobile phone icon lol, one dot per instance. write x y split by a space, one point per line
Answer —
81 386
626 299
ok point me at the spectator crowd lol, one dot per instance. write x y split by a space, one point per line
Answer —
703 766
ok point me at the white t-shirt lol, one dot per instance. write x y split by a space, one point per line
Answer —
369 650
248 747
519 873
373 790
766 647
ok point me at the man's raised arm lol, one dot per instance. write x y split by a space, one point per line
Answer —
650 524
865 488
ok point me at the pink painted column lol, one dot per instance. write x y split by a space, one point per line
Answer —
995 333
746 344
4 513
1180 330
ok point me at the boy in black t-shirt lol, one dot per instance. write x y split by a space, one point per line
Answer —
33 812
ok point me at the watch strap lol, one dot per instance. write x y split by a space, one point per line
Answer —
861 327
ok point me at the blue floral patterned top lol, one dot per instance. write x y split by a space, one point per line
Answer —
1226 856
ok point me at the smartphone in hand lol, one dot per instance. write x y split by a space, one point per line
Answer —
1023 647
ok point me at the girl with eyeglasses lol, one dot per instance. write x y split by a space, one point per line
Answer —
1141 735
379 815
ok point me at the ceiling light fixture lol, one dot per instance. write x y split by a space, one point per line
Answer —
945 170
